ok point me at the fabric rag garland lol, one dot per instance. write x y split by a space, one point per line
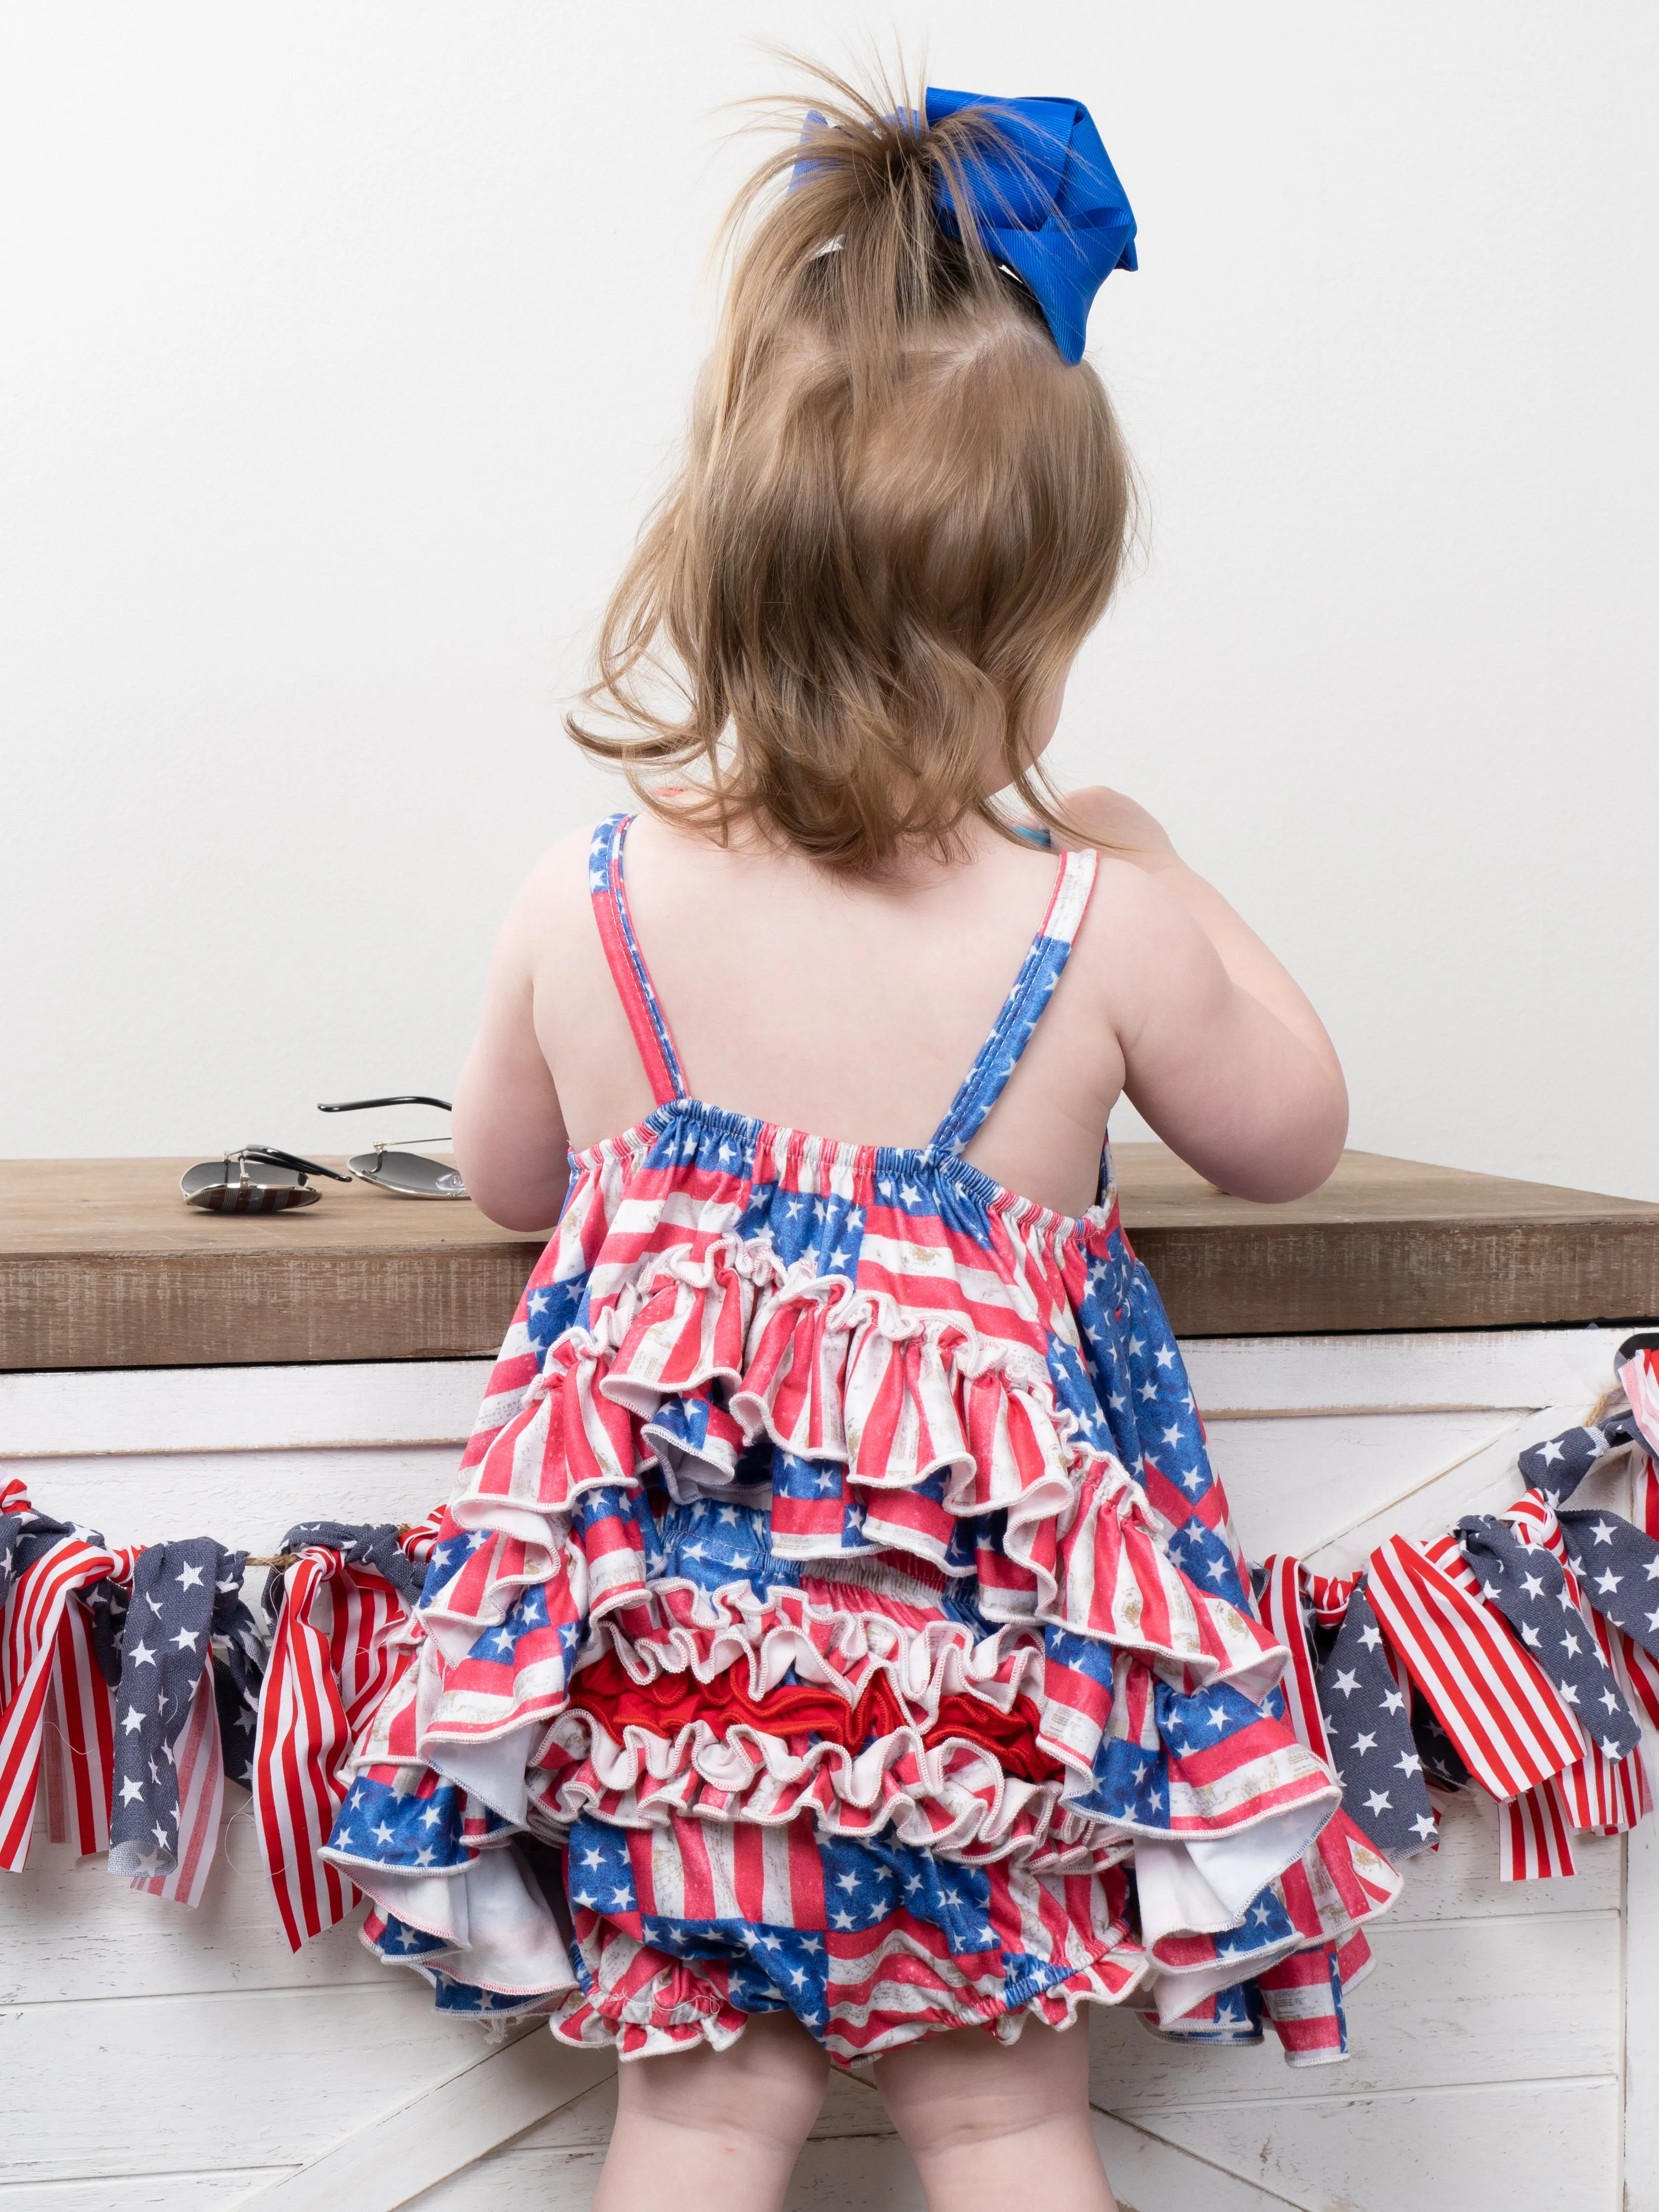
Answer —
1519 1652
1515 1652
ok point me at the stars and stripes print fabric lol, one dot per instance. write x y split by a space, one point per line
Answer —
168 1768
837 1556
1519 1652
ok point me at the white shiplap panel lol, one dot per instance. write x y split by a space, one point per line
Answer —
1642 2014
1461 1879
214 2191
167 1409
1550 2145
1519 1368
434 2133
1480 2000
85 1412
70 1930
1295 1481
869 2173
182 2084
246 1499
1487 1482
872 2173
271 2078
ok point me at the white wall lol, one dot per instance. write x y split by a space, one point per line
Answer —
343 344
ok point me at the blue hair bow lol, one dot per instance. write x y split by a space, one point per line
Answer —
1047 203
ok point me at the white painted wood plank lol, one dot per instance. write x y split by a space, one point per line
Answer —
425 2138
585 2123
165 1409
244 1498
1444 1371
1641 2145
1484 1482
871 2172
547 2181
1460 1880
1295 1481
85 1412
214 2191
1483 2000
859 2174
1149 2174
69 1931
183 2084
853 2158
1544 2145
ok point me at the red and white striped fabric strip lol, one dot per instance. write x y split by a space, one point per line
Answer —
1281 1612
199 1760
1640 1378
1535 1836
329 1661
29 1649
79 1740
1607 1796
1645 1486
1328 1596
1640 1670
1533 1519
416 1543
1509 1727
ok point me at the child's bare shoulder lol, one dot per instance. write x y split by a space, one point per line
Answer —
1138 940
555 899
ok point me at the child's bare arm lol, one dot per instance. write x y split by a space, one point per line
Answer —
510 1142
1225 1057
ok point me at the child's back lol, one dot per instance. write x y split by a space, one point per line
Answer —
836 1582
854 1009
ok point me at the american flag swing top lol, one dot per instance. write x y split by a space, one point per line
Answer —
837 1613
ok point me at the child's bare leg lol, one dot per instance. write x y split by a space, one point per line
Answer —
989 2122
706 2131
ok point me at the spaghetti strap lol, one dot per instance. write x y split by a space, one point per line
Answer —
1022 1008
627 968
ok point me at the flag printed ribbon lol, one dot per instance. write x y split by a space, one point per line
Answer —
1352 1713
46 1566
1521 1561
1529 1586
1638 1378
1605 1797
1369 1725
78 1746
1509 1724
1280 1602
169 1768
332 1655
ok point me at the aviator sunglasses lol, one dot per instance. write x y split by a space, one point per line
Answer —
264 1179
389 1166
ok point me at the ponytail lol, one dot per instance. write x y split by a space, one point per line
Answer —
899 514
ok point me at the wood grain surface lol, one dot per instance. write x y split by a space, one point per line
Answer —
102 1265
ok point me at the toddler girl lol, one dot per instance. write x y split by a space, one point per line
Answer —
837 1651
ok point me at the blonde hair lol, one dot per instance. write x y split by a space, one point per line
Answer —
898 515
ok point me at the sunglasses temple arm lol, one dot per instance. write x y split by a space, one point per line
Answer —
360 1105
268 1156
